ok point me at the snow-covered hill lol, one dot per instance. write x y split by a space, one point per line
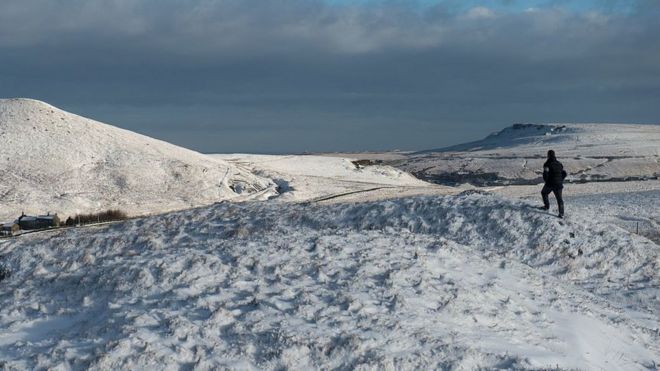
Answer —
54 161
590 152
451 282
304 178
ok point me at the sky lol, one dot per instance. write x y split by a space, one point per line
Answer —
293 76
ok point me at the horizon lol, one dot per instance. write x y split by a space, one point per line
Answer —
297 76
476 139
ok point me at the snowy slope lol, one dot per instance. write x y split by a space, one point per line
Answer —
637 212
631 205
335 179
51 160
452 282
590 152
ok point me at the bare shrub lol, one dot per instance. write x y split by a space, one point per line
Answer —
103 216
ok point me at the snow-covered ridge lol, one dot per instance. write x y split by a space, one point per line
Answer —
52 160
515 135
583 139
466 282
589 152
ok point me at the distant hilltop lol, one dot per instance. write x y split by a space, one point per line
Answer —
566 136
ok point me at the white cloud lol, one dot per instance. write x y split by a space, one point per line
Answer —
480 12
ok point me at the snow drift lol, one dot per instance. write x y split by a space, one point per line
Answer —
589 152
464 282
51 160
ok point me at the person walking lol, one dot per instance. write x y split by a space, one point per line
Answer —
553 176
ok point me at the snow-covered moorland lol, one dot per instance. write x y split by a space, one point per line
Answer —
514 155
55 161
333 179
463 282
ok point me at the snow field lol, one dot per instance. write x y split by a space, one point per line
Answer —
333 179
458 282
633 211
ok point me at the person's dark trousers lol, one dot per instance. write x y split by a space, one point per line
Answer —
557 191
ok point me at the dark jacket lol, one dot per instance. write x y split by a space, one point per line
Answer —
553 173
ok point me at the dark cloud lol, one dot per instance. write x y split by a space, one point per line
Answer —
296 75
